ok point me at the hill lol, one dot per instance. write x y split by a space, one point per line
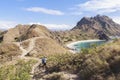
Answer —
28 40
24 32
98 63
97 27
98 23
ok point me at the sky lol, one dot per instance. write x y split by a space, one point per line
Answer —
54 14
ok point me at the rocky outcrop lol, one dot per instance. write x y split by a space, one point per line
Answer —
101 35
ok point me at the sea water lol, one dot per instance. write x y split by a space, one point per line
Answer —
87 44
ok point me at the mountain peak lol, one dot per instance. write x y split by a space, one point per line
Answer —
98 23
98 18
103 18
98 15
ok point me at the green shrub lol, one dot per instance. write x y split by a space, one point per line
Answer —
19 71
90 62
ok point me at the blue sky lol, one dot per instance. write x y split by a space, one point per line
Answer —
54 14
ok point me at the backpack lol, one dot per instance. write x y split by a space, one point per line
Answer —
43 60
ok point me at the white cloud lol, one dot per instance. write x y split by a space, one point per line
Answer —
58 26
99 6
55 26
4 25
116 19
7 24
44 10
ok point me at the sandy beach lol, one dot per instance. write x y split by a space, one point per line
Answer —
71 45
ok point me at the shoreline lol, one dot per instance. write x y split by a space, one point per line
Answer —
71 47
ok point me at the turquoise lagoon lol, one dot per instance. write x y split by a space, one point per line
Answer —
77 46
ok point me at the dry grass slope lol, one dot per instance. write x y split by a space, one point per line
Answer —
8 51
99 63
46 46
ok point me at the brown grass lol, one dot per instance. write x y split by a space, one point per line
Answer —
8 51
102 62
47 46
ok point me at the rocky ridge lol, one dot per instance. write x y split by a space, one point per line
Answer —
98 23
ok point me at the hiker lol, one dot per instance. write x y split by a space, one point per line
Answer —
44 59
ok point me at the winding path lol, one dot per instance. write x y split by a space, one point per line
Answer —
30 48
24 53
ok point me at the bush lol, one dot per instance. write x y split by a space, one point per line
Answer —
59 62
19 71
101 61
54 76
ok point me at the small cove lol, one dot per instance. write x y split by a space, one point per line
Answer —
78 45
